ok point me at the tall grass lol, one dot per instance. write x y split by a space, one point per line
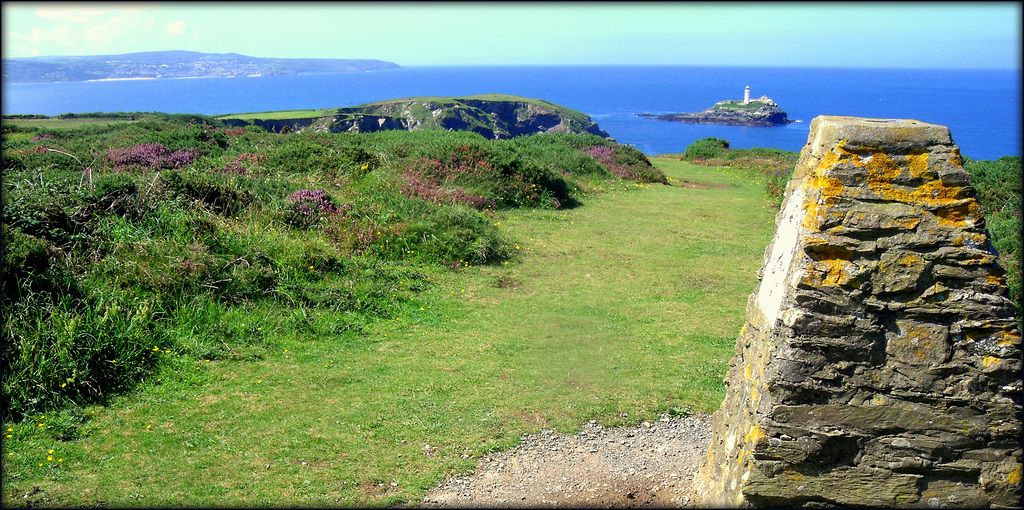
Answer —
118 236
363 381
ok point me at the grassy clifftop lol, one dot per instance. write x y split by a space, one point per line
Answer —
497 116
119 238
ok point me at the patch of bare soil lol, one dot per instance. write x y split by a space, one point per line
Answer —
651 465
700 185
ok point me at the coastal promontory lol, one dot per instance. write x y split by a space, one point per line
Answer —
495 116
762 112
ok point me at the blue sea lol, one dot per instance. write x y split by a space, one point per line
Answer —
982 108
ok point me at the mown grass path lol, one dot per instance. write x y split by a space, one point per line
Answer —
619 310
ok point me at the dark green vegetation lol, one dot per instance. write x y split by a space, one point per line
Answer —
738 105
284 361
264 346
172 64
499 116
125 241
998 184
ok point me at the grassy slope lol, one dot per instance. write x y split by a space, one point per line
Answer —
282 114
627 306
375 106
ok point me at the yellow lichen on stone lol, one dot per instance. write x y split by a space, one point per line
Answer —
881 168
908 260
837 273
961 215
1014 476
1009 337
823 193
990 360
754 434
995 279
829 160
918 164
975 238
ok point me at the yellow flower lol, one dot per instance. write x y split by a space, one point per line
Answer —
51 451
49 458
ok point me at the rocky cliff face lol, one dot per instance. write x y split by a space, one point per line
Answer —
757 113
505 118
880 364
493 116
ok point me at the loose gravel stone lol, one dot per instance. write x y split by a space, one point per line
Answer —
650 465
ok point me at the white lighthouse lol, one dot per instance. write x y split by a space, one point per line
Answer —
746 95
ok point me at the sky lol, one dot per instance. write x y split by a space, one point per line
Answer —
803 34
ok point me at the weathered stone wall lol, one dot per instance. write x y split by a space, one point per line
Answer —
880 364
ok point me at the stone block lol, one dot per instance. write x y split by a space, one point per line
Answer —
880 364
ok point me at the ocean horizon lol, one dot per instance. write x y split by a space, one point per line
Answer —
982 108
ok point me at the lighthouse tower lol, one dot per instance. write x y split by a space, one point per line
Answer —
746 95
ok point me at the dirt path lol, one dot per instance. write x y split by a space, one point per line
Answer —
651 465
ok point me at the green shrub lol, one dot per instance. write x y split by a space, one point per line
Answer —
25 259
72 350
999 190
706 148
227 195
113 246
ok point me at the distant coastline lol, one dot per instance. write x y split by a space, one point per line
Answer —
173 64
123 79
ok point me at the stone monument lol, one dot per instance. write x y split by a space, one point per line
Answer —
880 364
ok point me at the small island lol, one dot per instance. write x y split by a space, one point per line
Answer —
762 112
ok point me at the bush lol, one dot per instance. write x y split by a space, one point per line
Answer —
999 190
74 351
168 231
706 148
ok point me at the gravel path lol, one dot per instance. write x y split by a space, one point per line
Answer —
651 465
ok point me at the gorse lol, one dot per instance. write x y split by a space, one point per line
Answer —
126 236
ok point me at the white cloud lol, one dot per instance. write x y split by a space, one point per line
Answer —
62 35
110 29
176 28
79 13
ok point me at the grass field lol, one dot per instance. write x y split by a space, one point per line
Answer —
56 123
618 310
283 114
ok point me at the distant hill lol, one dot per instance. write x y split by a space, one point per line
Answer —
173 64
494 116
